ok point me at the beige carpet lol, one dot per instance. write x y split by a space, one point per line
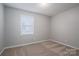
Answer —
46 48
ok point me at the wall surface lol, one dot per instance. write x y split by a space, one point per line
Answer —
1 27
65 27
12 27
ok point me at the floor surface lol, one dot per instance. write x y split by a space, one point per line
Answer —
46 48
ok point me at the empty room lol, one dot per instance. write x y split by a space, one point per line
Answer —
39 29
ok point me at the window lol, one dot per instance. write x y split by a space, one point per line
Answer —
27 24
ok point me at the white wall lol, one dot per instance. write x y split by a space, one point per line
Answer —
65 27
12 27
1 27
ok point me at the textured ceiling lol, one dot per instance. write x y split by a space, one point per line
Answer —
50 9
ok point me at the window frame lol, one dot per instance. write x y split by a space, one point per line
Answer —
22 30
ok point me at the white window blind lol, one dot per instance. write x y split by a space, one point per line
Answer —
27 24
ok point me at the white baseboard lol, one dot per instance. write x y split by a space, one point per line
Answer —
2 51
63 43
24 44
20 45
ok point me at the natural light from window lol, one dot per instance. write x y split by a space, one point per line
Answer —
27 24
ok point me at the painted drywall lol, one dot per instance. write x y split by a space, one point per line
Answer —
12 27
1 27
65 27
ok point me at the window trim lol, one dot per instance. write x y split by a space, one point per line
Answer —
27 33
